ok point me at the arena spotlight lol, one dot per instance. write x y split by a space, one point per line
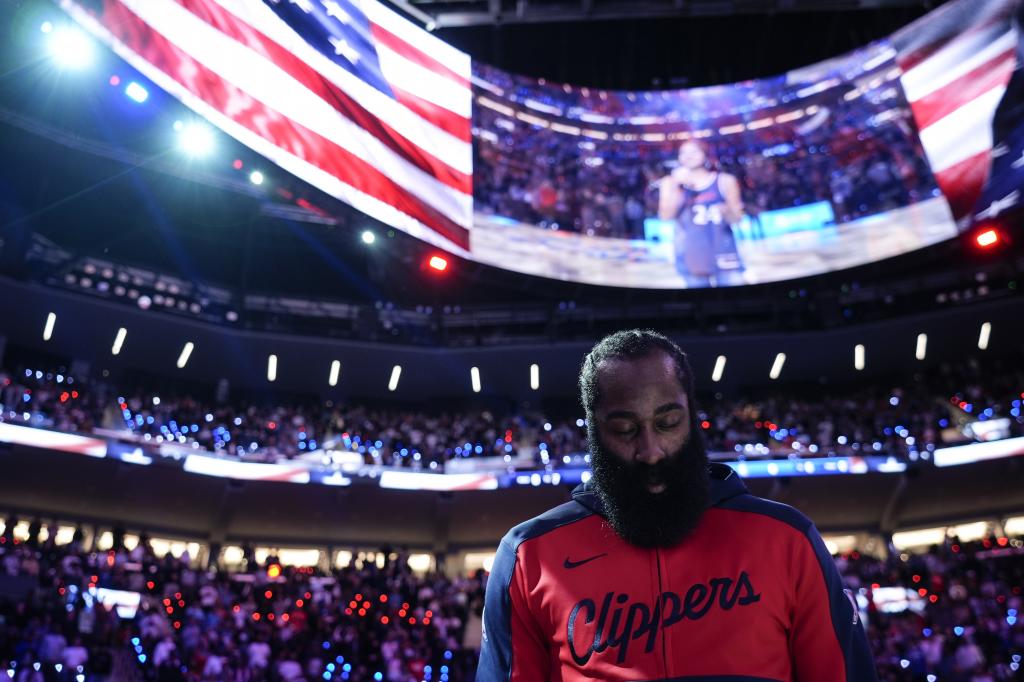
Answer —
196 139
474 378
858 357
396 373
51 320
439 263
271 367
776 370
922 346
46 27
368 237
719 370
136 92
535 377
335 373
983 335
71 48
256 177
122 334
186 353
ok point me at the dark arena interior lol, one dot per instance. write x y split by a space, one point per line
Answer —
296 295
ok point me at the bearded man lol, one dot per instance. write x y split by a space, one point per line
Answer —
663 566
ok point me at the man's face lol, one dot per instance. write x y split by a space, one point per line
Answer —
691 155
649 469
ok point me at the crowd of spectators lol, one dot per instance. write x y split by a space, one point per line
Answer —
859 152
378 620
946 405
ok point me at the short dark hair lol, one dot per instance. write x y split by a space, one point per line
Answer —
631 344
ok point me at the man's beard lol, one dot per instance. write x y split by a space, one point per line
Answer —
647 519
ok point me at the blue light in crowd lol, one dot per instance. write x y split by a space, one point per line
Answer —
39 375
1015 412
28 374
238 421
1011 620
26 397
340 659
302 435
377 676
327 676
135 640
136 92
209 418
958 630
968 408
347 667
378 445
428 669
404 452
927 632
444 670
887 431
302 445
1011 612
344 676
447 655
142 658
508 448
327 645
943 423
330 667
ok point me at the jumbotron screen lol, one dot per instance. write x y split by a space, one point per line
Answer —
888 149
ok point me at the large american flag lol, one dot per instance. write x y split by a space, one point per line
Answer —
345 94
957 63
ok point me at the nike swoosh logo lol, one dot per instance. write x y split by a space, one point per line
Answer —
577 564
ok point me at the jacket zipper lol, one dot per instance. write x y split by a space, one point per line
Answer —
664 654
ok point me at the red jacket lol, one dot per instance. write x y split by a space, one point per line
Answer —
752 595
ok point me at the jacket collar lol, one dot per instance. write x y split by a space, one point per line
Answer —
725 483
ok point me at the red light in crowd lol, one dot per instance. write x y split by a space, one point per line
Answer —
875 586
987 238
412 621
237 164
150 584
285 617
757 425
426 621
348 612
362 612
934 598
359 597
917 578
401 613
74 394
429 614
181 603
236 608
438 263
1002 541
352 604
705 424
177 625
308 595
60 591
271 425
115 80
385 620
255 616
922 591
366 604
170 609
405 605
268 594
270 616
167 602
299 603
177 595
384 598
955 548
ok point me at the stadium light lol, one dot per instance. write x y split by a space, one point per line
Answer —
256 177
71 48
986 331
535 377
780 360
335 373
438 263
922 346
51 320
474 377
368 237
122 334
196 139
271 367
858 357
719 370
396 372
136 92
186 353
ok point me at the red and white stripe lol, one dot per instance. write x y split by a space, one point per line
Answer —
954 84
407 163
